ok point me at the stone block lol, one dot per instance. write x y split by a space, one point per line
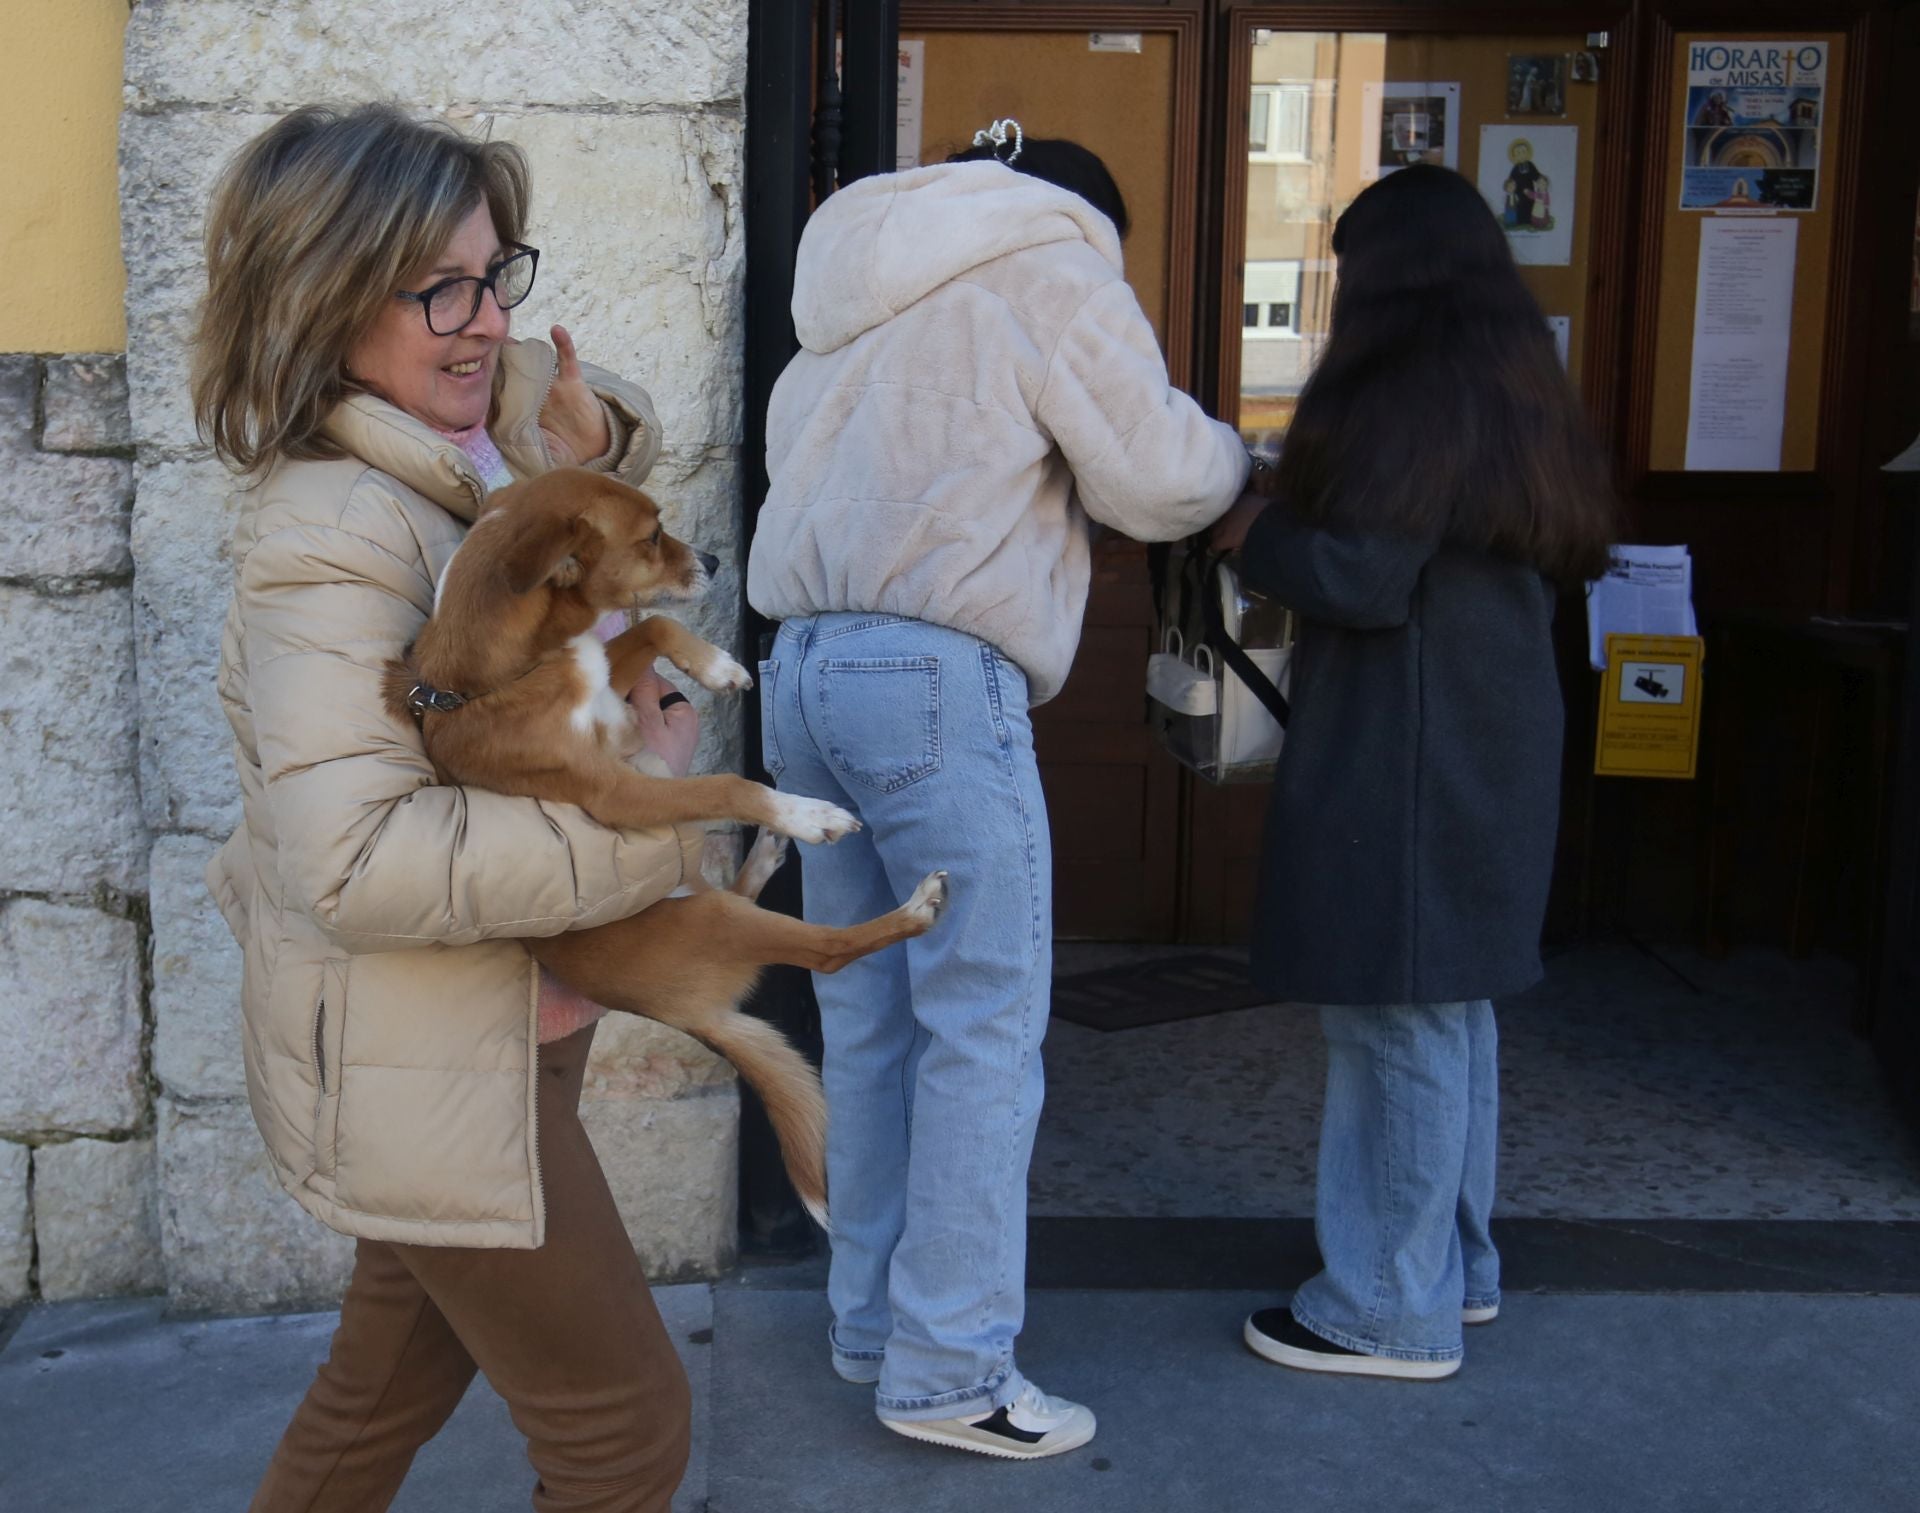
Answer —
64 517
69 714
182 519
672 1165
69 1020
16 1221
168 166
638 219
551 52
84 404
97 1219
233 1241
634 1057
19 402
196 977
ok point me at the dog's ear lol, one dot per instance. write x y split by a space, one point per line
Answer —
543 551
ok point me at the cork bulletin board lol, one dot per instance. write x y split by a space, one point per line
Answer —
1479 64
1679 268
1117 104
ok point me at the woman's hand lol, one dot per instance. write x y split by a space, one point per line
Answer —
670 733
1230 530
573 420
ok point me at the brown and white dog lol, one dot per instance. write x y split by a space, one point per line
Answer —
514 693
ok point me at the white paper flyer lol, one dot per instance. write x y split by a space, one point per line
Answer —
1742 329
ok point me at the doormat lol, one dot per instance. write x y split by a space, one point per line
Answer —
1138 994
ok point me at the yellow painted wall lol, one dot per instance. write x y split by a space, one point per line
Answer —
59 200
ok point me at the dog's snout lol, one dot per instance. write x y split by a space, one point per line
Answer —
709 564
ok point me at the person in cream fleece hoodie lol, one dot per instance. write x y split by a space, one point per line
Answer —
976 383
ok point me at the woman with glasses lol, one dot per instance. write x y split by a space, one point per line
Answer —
415 1080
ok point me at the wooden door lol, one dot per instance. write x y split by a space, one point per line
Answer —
1113 795
1123 80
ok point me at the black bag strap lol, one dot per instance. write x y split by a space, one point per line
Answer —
1244 667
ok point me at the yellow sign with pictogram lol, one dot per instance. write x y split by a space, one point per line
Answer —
1650 707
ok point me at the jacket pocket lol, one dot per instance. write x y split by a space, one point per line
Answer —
329 1037
882 719
769 737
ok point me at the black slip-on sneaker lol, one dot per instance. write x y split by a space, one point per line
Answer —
1274 1334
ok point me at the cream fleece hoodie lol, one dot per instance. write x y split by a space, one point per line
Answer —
976 379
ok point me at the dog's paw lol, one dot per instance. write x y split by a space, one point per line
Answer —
811 820
721 674
766 858
929 898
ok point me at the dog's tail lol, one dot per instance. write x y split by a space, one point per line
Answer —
790 1089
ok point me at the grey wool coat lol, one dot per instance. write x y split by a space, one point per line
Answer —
1410 840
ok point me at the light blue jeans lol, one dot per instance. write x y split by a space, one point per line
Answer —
932 1051
1405 1185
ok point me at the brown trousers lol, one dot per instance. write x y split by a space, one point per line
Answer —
568 1335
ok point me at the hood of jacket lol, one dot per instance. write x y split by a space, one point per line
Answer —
886 242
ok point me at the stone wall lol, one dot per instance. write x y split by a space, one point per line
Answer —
77 1153
128 1160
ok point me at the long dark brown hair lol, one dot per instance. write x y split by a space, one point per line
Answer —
1439 406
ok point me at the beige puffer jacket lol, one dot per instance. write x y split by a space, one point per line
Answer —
390 1010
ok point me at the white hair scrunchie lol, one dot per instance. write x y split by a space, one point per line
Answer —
998 134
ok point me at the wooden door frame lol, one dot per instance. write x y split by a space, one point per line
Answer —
1834 484
1184 21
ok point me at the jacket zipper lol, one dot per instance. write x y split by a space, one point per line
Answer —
533 1105
319 1046
539 435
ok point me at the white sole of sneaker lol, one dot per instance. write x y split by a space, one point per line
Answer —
965 1437
1344 1365
1479 1315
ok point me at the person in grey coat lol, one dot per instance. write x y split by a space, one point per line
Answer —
1437 479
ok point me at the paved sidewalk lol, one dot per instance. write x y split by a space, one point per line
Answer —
1601 1404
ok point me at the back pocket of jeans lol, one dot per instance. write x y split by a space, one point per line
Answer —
770 761
883 719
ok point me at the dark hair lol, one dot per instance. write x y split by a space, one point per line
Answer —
1067 165
1439 405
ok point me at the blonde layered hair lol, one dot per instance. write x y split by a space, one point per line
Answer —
312 230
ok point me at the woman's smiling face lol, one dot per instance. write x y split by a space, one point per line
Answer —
446 381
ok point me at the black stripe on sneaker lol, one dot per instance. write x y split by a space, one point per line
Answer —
998 1423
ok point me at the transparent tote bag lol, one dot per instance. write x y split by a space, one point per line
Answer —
1217 688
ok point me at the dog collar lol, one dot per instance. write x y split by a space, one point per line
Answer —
423 697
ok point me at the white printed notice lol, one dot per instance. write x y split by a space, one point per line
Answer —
1742 314
1646 591
911 104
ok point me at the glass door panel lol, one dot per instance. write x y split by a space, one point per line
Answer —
1329 112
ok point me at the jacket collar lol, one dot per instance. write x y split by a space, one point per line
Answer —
385 437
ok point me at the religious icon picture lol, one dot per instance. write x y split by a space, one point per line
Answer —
1536 84
1526 176
1402 124
1586 68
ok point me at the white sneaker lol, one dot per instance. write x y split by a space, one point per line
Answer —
1033 1425
1479 1315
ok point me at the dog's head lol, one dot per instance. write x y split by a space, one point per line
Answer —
591 533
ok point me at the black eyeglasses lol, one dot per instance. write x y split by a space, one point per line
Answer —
450 307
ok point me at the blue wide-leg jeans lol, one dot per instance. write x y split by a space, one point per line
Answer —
1405 1183
932 1050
